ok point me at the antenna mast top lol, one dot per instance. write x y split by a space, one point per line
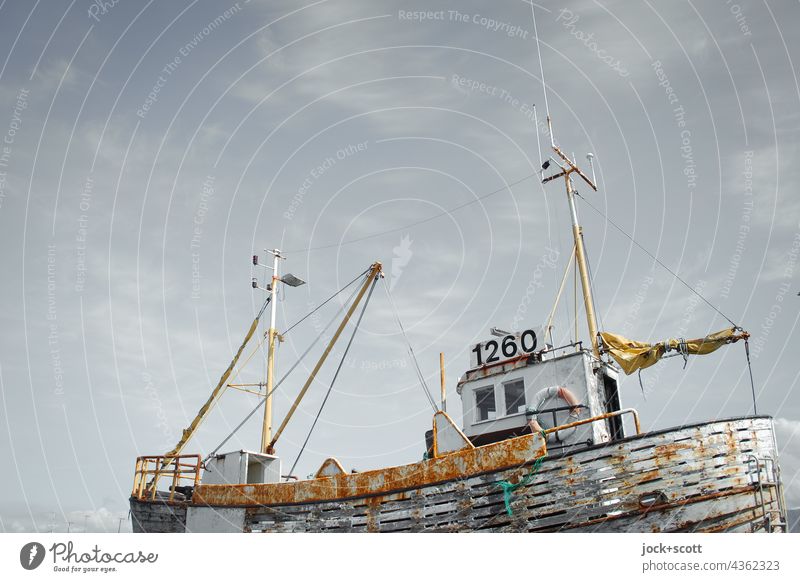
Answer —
567 169
571 166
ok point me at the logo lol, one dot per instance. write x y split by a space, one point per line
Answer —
31 555
402 255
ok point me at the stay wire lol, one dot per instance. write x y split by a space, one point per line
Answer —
263 307
321 305
750 369
417 369
238 370
235 373
657 260
446 212
297 363
335 375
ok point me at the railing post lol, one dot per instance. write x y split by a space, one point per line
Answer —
175 474
156 477
136 477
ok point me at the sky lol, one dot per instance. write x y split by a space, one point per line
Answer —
150 149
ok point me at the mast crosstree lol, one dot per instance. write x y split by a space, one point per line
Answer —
567 169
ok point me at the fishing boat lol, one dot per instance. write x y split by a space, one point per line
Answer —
545 444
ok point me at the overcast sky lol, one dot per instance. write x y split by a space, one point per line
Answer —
149 149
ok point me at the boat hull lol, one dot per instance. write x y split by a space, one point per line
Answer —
714 476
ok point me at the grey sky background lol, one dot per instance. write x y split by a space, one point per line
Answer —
151 148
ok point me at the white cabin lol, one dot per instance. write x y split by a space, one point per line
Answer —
501 397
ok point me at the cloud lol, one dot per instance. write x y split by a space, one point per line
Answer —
137 346
787 433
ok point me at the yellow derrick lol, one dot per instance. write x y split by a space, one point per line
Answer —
632 355
201 414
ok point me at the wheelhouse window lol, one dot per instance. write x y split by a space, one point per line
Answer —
515 396
485 408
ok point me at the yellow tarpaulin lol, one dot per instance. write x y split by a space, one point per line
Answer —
632 355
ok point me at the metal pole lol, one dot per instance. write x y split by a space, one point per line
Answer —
266 433
375 270
580 256
441 373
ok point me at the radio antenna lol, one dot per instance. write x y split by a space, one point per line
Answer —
541 72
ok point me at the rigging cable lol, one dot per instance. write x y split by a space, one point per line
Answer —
446 212
321 305
690 288
417 369
575 297
335 375
750 369
264 337
549 326
656 259
235 373
297 363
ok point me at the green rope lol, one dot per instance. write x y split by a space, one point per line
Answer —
509 488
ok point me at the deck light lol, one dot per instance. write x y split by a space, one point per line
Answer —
292 281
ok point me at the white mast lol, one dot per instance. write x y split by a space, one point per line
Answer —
266 433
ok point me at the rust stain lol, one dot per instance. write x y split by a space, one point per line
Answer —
731 524
664 507
497 368
371 515
460 464
733 444
642 478
699 498
669 452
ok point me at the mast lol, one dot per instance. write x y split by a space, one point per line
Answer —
266 432
577 233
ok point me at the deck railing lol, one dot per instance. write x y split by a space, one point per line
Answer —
631 411
177 469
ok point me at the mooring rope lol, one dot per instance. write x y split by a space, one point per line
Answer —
509 488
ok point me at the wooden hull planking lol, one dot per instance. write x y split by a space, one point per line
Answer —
716 476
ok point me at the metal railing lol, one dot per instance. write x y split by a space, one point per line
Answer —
767 466
631 411
176 468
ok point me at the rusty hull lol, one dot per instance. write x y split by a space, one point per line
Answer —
459 465
706 477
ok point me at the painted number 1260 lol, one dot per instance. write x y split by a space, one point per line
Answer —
505 348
